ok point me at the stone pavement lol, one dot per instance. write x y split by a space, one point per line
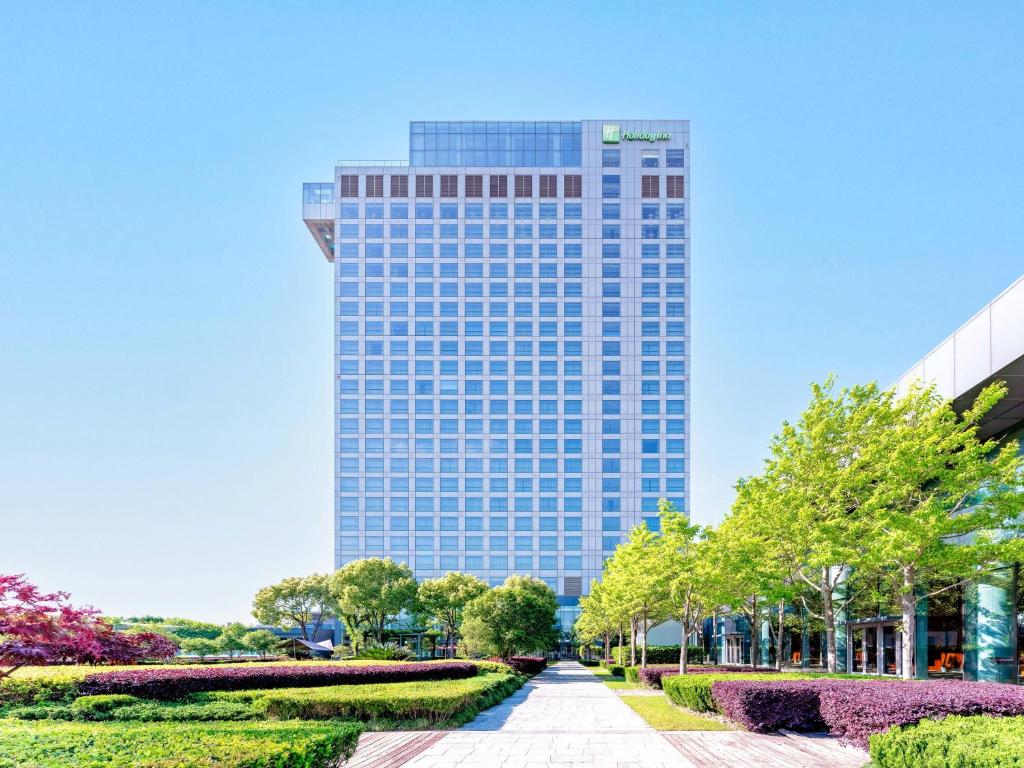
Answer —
567 718
562 718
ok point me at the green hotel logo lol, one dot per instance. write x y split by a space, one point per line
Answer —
610 134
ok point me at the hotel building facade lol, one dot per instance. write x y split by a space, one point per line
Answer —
512 345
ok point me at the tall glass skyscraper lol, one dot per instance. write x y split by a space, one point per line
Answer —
511 344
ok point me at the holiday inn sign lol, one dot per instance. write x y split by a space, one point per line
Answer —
610 134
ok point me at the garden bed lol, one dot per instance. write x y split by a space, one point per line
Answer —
49 744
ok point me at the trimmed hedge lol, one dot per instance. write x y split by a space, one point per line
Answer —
694 691
617 670
134 745
855 711
180 682
956 742
768 705
659 654
651 676
128 708
528 665
60 683
431 701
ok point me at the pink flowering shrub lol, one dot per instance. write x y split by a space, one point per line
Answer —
179 682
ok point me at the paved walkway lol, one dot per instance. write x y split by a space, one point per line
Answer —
567 718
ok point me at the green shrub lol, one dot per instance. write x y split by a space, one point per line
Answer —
163 745
100 707
35 689
632 674
385 652
433 701
198 712
493 667
45 711
659 654
694 691
617 670
979 741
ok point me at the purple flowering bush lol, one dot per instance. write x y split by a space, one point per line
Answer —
855 711
179 682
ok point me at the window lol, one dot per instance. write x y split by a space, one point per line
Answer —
610 185
399 186
610 158
349 185
649 186
674 158
449 185
499 188
548 185
474 186
424 185
674 186
524 186
572 186
375 185
649 158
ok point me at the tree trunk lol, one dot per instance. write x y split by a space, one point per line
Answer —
684 642
643 646
632 642
755 633
618 656
780 645
828 611
607 647
908 604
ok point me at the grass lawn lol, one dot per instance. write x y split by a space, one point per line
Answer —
613 681
661 714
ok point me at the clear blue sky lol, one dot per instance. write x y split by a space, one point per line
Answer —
165 319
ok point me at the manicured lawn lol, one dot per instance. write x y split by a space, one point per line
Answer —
613 681
663 715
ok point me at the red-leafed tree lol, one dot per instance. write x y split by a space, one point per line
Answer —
40 627
129 648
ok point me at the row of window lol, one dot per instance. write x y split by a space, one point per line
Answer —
472 185
649 158
497 269
499 211
475 485
400 250
372 288
544 386
398 507
353 231
471 211
476 466
371 426
543 407
474 445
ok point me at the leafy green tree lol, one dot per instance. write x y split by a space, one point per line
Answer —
200 646
262 642
233 639
299 601
691 598
639 573
517 617
375 589
444 600
945 505
811 503
597 620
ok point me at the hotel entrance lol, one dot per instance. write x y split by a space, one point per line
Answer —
874 647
